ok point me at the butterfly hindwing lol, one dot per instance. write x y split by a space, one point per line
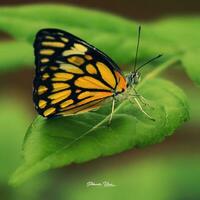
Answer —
71 75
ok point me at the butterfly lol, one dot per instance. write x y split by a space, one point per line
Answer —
72 76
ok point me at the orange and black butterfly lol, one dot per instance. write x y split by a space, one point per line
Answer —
73 76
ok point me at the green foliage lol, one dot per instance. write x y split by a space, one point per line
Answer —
15 55
191 63
23 22
76 139
180 32
54 143
172 37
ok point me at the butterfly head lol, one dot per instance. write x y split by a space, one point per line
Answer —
133 78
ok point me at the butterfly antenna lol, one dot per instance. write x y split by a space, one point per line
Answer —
137 48
149 61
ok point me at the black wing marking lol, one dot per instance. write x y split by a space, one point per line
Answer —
64 63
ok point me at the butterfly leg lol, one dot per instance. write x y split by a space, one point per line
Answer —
141 98
140 107
112 111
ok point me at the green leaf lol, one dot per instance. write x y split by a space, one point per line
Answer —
15 55
76 139
22 23
181 33
114 35
191 63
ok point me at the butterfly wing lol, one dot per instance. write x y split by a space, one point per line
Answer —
71 75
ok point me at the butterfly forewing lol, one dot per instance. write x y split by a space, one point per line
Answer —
71 75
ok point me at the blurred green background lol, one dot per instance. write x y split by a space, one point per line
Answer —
166 171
